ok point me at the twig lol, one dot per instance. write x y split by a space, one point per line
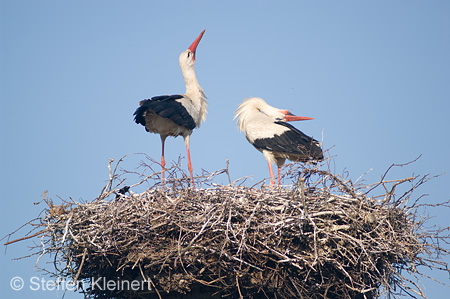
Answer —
27 237
317 236
80 267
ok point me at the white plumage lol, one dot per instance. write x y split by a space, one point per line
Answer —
266 129
176 115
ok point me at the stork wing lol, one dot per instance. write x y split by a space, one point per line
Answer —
292 141
165 106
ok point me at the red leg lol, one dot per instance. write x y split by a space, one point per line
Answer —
279 176
186 141
271 174
163 161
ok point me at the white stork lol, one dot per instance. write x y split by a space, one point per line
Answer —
176 115
266 129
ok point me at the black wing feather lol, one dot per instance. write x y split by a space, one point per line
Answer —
165 106
292 141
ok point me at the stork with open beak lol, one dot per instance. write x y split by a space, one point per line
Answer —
266 128
176 115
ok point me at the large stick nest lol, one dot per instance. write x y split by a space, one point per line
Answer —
320 237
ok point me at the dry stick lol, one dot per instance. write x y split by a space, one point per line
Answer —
297 185
329 214
81 266
388 181
28 237
228 172
387 171
108 186
66 230
418 291
247 223
296 288
42 253
231 257
390 193
151 281
22 226
335 178
239 289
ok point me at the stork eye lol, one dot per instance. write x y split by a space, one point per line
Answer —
189 54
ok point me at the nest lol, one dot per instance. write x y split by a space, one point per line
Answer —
320 237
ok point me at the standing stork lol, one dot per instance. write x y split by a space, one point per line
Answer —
266 128
176 115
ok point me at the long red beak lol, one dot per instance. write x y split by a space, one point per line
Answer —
194 45
291 117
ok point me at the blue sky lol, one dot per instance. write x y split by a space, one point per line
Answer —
373 74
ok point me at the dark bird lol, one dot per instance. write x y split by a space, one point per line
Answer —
266 128
179 114
121 192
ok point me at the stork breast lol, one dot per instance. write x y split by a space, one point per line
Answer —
164 126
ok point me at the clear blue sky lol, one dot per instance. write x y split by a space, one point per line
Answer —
373 74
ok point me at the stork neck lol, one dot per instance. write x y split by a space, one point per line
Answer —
192 86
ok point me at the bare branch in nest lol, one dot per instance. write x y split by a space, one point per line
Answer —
321 237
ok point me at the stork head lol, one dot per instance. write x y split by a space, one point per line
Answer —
275 113
187 58
253 108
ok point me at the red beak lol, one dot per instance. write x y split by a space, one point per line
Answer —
291 117
194 45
